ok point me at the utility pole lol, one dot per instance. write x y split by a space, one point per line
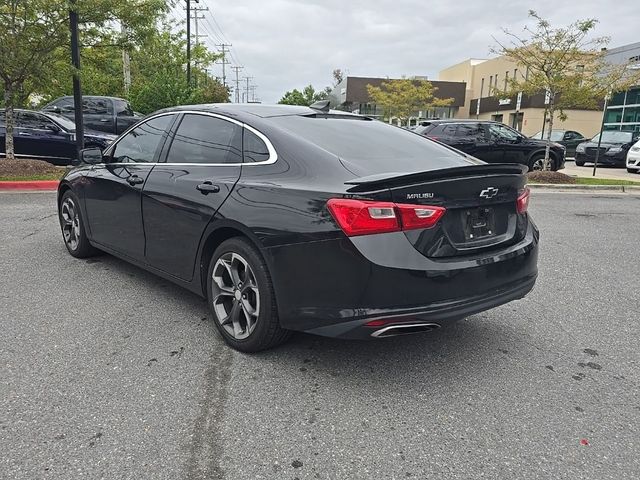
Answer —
247 89
189 41
196 16
77 90
237 70
253 93
126 62
224 50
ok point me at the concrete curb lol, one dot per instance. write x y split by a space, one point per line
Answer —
601 188
27 185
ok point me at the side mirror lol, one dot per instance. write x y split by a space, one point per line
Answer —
91 155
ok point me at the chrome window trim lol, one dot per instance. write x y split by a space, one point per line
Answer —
273 155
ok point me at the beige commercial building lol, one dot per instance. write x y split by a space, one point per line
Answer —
483 78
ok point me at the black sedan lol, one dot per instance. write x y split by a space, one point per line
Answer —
295 218
614 147
567 138
493 142
48 136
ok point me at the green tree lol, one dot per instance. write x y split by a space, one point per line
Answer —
34 34
30 32
306 97
400 98
565 63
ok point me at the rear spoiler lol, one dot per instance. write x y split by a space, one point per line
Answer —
394 179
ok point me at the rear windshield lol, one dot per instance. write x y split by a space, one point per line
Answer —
372 144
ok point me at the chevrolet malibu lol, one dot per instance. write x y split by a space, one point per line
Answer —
300 218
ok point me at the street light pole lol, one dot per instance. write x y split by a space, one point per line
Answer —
77 90
604 115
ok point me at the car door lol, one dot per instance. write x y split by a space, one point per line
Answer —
489 147
470 138
510 142
98 114
112 190
571 141
40 137
183 194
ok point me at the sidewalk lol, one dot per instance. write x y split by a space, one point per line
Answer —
572 170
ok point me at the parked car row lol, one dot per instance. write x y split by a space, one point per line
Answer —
48 136
492 142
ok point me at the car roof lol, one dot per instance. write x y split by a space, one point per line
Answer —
89 96
257 109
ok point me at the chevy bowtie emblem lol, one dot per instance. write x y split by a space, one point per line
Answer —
489 192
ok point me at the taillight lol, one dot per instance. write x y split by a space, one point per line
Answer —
365 217
522 203
419 216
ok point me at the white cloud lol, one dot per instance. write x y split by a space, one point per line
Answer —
288 44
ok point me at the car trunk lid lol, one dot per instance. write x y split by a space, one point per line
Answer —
480 202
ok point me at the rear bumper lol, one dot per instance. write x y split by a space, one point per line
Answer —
334 287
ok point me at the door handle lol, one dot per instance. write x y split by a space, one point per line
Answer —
25 134
104 120
135 180
208 187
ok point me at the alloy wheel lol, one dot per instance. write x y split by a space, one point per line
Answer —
538 164
70 224
236 298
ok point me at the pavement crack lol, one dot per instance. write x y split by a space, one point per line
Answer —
206 441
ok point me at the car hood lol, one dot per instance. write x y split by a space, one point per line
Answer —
537 142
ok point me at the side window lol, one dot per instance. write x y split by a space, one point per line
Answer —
205 139
123 109
449 130
96 106
470 131
254 149
443 130
33 120
141 143
500 132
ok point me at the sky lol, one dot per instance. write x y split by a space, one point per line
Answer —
286 44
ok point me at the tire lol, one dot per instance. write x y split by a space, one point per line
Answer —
632 170
537 161
580 163
242 298
72 226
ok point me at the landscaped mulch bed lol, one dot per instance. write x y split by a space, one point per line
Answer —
550 177
24 168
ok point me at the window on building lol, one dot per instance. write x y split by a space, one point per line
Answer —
506 80
490 84
481 87
515 74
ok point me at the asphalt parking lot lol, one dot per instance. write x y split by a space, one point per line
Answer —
109 372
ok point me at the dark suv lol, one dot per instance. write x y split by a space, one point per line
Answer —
492 142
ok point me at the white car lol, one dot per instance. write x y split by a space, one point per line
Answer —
633 158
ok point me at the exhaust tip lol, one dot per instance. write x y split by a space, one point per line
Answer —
406 329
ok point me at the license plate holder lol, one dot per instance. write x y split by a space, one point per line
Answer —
478 223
